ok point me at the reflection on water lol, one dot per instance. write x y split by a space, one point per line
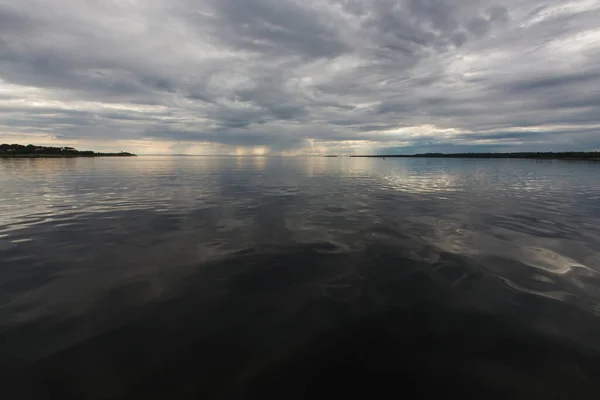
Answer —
220 277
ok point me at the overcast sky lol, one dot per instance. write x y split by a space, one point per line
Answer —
301 76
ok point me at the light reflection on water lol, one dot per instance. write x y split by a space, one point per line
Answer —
88 246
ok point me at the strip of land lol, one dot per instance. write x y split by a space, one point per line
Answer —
31 151
583 155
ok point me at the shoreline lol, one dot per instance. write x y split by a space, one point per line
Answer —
32 151
490 158
548 156
63 155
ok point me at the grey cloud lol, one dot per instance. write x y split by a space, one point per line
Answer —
553 82
371 128
239 118
232 137
478 26
498 14
14 22
288 111
587 99
280 73
270 26
531 135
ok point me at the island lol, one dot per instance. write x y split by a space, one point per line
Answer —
32 151
571 155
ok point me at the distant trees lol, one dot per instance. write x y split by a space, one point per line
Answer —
537 155
568 155
30 150
19 149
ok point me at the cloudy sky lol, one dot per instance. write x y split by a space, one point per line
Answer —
301 76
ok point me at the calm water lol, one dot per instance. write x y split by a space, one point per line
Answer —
225 277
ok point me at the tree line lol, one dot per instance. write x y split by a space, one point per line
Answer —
16 150
573 155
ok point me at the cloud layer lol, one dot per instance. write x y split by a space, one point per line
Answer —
301 77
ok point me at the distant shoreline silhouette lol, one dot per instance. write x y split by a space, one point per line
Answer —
579 155
32 151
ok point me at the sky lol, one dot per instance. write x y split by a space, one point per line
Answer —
301 77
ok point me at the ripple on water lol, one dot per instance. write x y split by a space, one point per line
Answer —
200 259
547 260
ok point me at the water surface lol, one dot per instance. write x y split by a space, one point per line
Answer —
266 277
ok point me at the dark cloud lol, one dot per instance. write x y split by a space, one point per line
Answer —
230 137
275 27
316 75
553 82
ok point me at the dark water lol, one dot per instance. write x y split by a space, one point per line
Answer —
283 278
